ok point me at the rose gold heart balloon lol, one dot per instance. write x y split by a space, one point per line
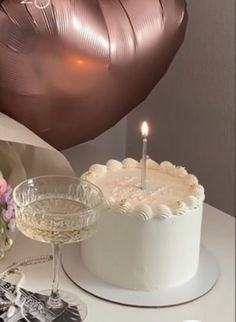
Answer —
70 69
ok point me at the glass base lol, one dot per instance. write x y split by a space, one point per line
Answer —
71 308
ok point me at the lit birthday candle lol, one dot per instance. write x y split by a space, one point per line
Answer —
144 130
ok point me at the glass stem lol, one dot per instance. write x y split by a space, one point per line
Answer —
54 299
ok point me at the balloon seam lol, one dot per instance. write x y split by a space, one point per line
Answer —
162 9
108 35
131 25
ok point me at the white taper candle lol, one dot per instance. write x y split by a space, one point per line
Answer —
144 130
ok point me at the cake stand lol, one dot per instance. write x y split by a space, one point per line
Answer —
205 279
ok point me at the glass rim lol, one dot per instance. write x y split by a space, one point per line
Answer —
17 187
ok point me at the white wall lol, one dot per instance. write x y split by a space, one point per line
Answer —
110 145
192 110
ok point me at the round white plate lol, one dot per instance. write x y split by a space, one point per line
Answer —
205 279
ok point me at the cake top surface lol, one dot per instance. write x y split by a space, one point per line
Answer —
170 190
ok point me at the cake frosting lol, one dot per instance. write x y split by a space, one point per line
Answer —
170 190
150 238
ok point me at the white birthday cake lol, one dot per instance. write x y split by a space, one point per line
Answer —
148 239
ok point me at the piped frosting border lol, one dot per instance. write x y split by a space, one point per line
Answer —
143 210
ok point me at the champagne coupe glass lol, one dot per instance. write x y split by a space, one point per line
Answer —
58 210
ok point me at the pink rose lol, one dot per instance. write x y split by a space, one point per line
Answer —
3 186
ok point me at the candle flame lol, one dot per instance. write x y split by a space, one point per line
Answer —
144 129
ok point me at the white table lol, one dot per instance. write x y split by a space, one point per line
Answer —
218 235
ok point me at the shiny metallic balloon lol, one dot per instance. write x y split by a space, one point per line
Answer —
70 69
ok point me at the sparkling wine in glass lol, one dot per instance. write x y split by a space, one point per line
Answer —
58 210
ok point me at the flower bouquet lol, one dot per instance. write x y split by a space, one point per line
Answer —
7 216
